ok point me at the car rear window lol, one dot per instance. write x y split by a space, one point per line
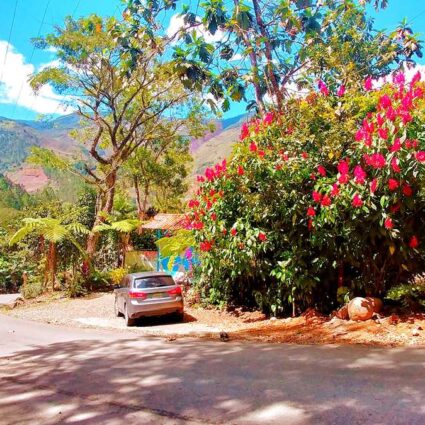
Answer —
153 282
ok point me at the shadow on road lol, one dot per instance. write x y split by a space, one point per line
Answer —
141 380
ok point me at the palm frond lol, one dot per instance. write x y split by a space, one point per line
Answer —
22 233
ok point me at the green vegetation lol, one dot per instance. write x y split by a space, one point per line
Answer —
280 224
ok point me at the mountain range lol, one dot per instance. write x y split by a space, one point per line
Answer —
18 136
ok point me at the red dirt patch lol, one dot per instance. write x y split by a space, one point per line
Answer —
32 179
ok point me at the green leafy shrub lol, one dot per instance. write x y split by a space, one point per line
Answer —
410 295
33 288
76 287
327 193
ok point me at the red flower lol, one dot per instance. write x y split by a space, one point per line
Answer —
414 242
317 197
311 212
368 84
200 179
233 231
241 171
193 203
380 120
359 174
418 92
310 225
262 236
326 201
224 231
321 170
343 178
304 155
198 225
341 91
373 185
420 156
385 102
396 146
416 78
253 147
394 165
335 190
261 154
209 174
388 223
244 131
268 118
278 167
383 133
393 184
376 160
212 192
407 190
205 246
213 216
357 201
399 78
343 167
323 88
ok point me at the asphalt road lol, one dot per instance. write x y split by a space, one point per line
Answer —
56 375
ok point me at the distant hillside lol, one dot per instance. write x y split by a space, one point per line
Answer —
216 146
17 137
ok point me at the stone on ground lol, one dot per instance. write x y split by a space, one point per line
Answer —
360 309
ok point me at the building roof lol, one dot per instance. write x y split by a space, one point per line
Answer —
166 222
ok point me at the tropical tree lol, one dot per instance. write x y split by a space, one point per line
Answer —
124 228
127 99
264 51
54 231
159 175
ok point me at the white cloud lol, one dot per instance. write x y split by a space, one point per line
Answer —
15 88
177 24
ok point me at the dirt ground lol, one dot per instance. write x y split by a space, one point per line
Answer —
96 311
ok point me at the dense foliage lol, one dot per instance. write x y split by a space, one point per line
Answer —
264 51
309 202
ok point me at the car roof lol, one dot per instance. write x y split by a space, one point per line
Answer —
147 274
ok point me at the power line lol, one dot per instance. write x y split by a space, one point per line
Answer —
417 16
76 8
32 55
9 39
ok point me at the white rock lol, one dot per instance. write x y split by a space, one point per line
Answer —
360 309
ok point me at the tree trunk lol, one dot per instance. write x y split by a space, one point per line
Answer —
274 90
52 264
254 67
105 205
138 200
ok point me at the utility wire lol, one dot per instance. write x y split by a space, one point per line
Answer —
417 16
9 39
32 56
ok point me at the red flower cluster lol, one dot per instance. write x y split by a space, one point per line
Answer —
206 246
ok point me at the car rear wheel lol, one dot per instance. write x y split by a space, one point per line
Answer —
128 320
116 309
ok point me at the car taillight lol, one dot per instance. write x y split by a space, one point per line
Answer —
139 295
175 291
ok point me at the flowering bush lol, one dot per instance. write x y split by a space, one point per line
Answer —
326 193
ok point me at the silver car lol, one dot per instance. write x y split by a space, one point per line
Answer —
147 294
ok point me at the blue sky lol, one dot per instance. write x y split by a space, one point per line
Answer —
16 99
